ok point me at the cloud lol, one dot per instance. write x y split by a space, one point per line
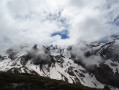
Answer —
34 21
83 54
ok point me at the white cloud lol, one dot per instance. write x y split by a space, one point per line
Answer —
33 21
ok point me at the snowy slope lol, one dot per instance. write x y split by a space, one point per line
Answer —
62 63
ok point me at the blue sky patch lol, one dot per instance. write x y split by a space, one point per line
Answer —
63 34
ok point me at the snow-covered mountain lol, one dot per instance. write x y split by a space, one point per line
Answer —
93 65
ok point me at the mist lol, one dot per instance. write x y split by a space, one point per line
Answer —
83 53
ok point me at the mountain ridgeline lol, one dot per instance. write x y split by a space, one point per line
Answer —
95 65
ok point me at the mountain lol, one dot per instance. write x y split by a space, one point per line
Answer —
95 65
25 81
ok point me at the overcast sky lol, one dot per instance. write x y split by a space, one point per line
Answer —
61 22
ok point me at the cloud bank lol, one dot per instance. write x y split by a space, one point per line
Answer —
35 21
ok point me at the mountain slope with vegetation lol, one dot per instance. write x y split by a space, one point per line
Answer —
25 81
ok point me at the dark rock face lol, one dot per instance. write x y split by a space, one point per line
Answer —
87 54
106 76
2 57
37 57
37 60
12 54
106 88
109 51
70 71
25 58
104 73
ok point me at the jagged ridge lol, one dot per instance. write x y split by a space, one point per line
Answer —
64 64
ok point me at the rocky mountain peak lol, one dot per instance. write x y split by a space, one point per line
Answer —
88 66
